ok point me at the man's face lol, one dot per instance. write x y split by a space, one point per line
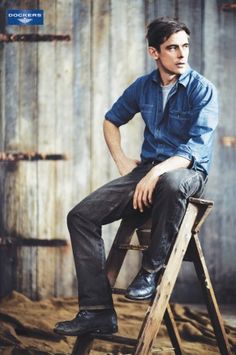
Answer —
173 55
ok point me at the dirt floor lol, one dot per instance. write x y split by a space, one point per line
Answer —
26 328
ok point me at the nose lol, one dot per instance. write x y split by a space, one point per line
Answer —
180 53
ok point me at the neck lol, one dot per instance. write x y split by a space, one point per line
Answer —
167 79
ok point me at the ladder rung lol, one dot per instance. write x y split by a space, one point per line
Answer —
115 339
131 247
118 291
188 258
144 230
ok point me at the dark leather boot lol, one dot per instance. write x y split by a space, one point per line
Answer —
143 286
88 321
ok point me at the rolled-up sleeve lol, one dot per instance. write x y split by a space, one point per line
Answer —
126 106
204 115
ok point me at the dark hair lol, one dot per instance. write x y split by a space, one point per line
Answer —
160 29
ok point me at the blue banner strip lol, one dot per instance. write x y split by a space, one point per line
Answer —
25 17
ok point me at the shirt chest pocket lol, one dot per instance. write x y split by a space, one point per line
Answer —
179 122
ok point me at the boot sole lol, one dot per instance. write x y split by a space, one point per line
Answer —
141 298
91 331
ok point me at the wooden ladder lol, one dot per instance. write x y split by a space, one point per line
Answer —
186 247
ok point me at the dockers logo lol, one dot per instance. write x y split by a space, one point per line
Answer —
25 17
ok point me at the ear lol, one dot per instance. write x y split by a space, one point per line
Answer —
153 52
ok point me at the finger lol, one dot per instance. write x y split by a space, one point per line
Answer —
150 194
139 201
145 198
136 197
135 202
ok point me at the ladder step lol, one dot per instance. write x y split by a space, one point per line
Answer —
188 258
118 291
132 247
115 339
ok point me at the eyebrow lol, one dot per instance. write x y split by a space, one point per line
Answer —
177 45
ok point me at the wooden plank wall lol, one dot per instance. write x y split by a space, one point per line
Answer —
53 99
218 57
37 116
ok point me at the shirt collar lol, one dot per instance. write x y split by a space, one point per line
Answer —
183 78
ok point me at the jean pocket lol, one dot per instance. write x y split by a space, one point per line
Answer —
202 184
193 185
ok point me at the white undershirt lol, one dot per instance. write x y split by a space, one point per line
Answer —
165 92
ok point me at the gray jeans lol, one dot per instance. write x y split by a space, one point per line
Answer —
112 202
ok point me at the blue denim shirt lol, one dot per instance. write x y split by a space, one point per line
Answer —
185 128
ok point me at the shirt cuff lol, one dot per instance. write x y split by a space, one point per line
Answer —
185 152
113 119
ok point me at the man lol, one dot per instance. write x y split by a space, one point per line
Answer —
179 108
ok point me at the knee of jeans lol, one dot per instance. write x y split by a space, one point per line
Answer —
169 184
70 217
73 215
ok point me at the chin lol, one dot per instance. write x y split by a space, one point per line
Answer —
181 71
